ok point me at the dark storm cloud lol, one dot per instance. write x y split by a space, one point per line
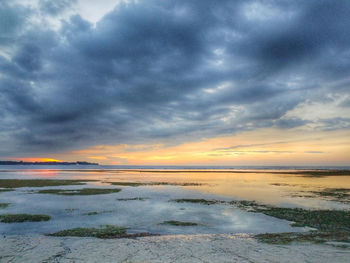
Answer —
160 70
55 7
12 19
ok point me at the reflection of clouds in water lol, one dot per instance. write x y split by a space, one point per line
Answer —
146 215
71 211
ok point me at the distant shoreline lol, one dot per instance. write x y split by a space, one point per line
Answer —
45 163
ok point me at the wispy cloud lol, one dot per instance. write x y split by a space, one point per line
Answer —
238 146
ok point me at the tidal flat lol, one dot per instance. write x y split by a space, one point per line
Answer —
272 207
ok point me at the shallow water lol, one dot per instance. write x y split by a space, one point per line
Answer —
146 215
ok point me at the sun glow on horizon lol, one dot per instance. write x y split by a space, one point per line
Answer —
260 147
34 159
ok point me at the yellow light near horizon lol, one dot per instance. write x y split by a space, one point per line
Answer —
48 160
35 159
260 147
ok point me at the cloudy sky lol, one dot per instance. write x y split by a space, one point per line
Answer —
176 81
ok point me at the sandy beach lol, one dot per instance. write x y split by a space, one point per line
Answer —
174 248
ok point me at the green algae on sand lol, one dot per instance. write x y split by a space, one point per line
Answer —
4 205
341 195
16 183
133 199
178 223
323 220
311 236
97 212
19 218
6 190
334 194
330 224
105 232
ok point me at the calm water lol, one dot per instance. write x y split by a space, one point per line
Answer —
139 216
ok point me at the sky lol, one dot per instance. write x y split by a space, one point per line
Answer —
176 82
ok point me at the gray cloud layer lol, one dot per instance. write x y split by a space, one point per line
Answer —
167 70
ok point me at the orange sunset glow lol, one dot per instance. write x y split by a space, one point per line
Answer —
262 147
35 159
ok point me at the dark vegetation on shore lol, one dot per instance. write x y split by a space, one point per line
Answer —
331 225
337 194
17 183
91 213
97 212
19 218
133 199
178 223
4 205
107 231
320 173
324 220
83 191
6 190
333 194
311 236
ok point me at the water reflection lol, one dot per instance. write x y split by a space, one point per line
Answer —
145 215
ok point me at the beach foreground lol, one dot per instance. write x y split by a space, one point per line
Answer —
174 248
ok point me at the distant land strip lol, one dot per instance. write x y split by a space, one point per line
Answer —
45 163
